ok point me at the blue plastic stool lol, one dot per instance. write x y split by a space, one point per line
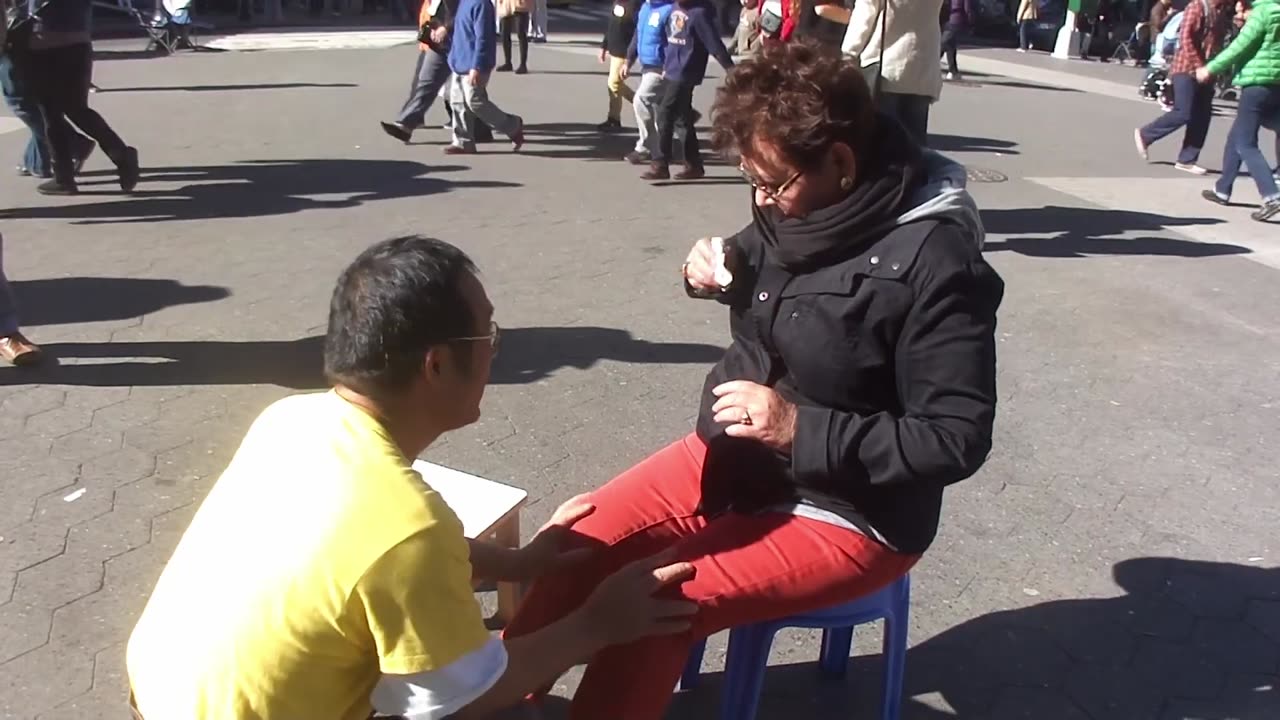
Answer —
749 645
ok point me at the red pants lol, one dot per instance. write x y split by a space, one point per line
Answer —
750 568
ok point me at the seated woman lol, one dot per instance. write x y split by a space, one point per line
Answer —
859 384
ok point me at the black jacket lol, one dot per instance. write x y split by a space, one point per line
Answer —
882 334
622 27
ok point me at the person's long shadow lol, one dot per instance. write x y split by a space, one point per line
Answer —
527 355
253 189
224 88
56 301
1188 639
965 143
1078 232
584 141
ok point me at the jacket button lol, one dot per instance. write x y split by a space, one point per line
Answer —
763 296
875 259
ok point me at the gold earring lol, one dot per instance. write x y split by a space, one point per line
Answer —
846 183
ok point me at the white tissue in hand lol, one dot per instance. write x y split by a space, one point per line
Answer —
720 273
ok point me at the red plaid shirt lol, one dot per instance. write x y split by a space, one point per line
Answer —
1201 36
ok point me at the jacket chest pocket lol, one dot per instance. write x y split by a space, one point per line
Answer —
835 345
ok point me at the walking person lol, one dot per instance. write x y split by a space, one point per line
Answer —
472 56
959 19
613 50
1201 35
431 73
898 44
649 47
61 67
15 348
1028 15
514 15
22 103
1256 50
692 39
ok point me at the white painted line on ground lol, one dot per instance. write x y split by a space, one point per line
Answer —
1056 78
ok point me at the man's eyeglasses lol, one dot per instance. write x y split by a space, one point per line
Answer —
773 193
493 337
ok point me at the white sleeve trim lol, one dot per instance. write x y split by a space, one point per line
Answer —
444 691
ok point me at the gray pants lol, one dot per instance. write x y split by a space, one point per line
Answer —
646 104
471 102
8 311
429 77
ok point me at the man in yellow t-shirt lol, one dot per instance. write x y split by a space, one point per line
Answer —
322 578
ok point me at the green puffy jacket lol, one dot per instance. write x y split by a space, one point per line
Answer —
1257 47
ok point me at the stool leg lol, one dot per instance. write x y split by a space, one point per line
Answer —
508 535
745 665
836 644
895 652
693 667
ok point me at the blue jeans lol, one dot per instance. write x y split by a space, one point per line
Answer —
1259 107
25 108
1192 108
8 310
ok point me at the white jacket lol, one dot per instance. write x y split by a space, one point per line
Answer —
915 44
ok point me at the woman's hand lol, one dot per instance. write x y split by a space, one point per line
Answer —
756 412
699 267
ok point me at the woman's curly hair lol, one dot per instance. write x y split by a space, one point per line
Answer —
800 97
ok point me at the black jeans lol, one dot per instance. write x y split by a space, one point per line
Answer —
520 23
430 74
1192 108
675 107
911 111
60 77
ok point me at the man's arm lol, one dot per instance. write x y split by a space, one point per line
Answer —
486 54
710 37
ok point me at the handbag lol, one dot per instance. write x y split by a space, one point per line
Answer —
873 73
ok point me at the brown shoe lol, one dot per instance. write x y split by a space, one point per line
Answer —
657 171
691 172
18 350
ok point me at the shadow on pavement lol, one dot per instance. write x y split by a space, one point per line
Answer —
528 355
1187 639
223 88
57 301
1077 232
965 143
251 189
582 141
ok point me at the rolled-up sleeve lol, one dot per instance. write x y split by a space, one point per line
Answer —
945 379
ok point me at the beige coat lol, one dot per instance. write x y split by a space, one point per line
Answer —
507 8
911 57
1028 10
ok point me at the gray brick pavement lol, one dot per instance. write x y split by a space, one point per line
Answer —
1115 559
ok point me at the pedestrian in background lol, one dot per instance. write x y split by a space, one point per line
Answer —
1028 15
472 56
514 15
898 49
1202 34
613 50
959 20
649 48
431 73
746 39
1256 50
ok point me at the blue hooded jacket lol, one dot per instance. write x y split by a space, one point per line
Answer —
650 40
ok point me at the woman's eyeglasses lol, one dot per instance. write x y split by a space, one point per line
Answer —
493 337
773 193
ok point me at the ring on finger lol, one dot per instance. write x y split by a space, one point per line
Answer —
746 417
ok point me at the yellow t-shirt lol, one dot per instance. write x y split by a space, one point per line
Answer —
319 561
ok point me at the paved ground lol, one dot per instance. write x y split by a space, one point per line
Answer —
1115 559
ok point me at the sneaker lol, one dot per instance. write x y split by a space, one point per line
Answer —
691 172
1022 50
397 131
636 157
522 70
609 125
657 171
1191 168
23 171
459 150
1139 143
951 76
504 67
53 187
129 170
1216 197
1269 209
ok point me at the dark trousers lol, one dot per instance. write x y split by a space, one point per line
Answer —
1259 108
61 78
951 46
429 75
1024 34
520 23
675 114
911 111
1192 109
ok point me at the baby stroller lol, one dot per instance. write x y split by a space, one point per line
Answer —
1157 86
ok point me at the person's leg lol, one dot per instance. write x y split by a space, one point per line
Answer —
688 131
1024 35
73 68
522 32
413 112
462 131
1230 160
478 102
1256 104
14 347
506 24
538 25
8 308
665 122
1198 124
950 45
645 105
1184 98
911 111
